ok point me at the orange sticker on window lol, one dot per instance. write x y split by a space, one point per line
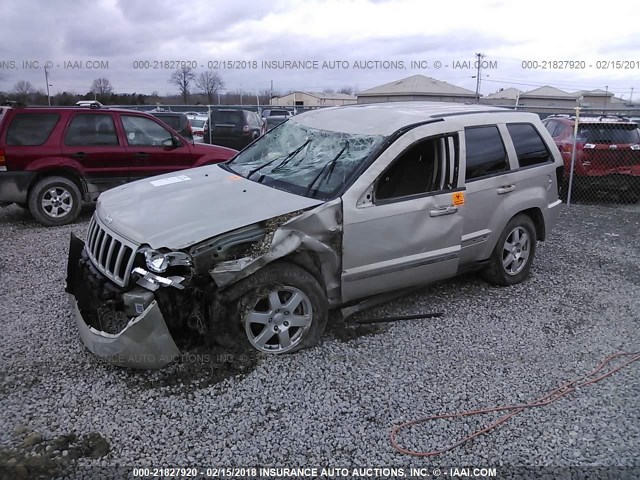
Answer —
457 199
234 177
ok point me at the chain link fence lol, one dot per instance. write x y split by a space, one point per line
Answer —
600 147
601 153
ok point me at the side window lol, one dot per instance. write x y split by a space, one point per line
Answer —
144 132
31 128
552 127
530 148
91 129
485 152
424 167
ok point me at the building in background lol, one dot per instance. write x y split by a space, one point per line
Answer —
503 97
417 88
313 99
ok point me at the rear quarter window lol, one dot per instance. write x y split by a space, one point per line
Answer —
31 129
530 148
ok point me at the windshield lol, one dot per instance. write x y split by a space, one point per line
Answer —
303 160
197 123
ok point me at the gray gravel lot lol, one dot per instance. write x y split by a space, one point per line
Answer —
334 405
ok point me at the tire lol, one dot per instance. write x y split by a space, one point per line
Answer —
269 322
55 201
505 267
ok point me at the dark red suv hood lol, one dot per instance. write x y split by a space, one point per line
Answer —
206 149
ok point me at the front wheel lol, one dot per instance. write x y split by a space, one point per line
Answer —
55 201
513 255
283 310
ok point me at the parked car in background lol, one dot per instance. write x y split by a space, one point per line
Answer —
332 207
197 123
233 128
275 116
607 154
52 159
89 103
177 121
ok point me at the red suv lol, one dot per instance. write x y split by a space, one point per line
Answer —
54 158
607 153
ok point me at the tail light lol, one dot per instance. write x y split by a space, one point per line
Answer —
3 166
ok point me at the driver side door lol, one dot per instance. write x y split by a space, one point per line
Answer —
402 217
146 154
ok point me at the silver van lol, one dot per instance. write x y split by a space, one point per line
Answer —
326 210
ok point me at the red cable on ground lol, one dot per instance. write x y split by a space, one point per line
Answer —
552 396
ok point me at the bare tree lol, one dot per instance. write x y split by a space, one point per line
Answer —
182 78
102 86
22 90
208 83
328 90
347 90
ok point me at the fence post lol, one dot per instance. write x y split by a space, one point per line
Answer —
209 122
573 156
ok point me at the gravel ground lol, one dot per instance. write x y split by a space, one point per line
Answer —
64 411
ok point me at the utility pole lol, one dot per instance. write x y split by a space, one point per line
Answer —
480 56
631 96
606 96
46 79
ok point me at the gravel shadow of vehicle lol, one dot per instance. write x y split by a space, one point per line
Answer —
198 367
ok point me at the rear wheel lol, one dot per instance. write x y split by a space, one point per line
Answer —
513 255
283 310
55 201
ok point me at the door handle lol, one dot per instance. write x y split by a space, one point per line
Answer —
141 155
79 155
506 189
439 212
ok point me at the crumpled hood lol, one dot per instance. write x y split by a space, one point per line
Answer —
180 209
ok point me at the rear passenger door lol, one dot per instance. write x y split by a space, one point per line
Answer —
486 164
92 143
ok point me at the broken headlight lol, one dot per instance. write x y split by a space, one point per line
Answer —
158 261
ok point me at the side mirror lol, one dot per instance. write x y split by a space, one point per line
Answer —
172 142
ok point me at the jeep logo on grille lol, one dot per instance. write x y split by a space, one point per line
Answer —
613 147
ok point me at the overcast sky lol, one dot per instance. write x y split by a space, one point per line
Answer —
124 34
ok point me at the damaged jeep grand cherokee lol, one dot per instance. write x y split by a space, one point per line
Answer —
326 210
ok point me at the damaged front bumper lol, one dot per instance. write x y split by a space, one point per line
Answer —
145 342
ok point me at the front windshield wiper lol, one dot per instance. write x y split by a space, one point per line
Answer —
286 158
331 165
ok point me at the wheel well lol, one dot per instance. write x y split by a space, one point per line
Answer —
58 173
538 221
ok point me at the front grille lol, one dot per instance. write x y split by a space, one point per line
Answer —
111 254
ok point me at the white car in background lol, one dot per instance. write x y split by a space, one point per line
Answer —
197 126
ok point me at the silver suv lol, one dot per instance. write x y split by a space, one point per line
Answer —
330 208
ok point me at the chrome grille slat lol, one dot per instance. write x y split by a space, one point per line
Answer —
101 246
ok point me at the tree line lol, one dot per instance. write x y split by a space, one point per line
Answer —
203 89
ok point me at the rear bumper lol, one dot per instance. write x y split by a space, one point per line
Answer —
14 186
613 182
237 143
145 342
552 214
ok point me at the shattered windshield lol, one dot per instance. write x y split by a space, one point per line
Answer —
303 160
